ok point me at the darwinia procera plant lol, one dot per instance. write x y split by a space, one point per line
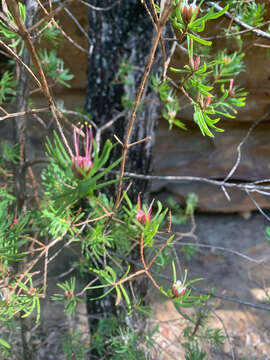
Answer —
117 240
208 86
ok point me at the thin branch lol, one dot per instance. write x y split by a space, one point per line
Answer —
237 21
231 299
238 159
22 113
78 25
51 15
257 206
100 8
226 333
201 291
237 32
248 186
220 248
61 30
14 55
140 92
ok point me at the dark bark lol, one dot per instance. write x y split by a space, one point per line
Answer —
22 98
123 33
19 129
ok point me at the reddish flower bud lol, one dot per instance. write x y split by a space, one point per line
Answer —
68 293
14 222
227 60
178 287
231 90
205 102
195 64
82 165
141 216
187 11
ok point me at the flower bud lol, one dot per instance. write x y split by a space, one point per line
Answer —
195 64
14 222
68 293
82 165
178 289
141 216
231 89
187 11
227 60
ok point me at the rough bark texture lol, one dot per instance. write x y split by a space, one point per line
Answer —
22 97
20 138
123 33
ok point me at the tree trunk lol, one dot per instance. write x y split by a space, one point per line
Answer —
19 128
124 33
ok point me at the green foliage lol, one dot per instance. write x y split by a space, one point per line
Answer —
198 81
7 86
68 295
193 352
74 207
54 67
25 302
51 33
10 230
199 332
10 153
9 34
252 13
74 347
189 251
267 234
112 339
61 164
171 102
180 215
5 348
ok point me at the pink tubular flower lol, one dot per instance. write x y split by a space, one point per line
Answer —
82 165
231 90
141 216
195 64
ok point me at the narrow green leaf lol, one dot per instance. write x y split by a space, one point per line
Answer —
199 40
4 344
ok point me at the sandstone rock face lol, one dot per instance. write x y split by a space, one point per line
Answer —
190 154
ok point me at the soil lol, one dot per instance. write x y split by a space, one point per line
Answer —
232 275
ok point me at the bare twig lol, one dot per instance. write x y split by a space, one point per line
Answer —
226 333
237 21
22 113
100 8
146 74
238 159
